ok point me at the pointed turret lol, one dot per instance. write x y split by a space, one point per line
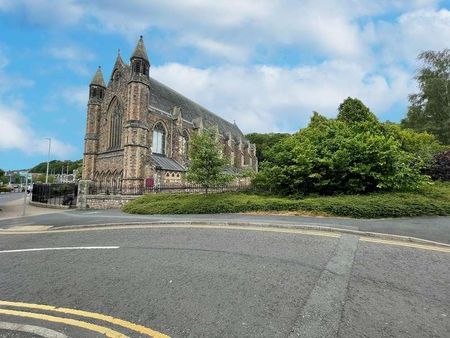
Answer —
140 51
119 62
97 80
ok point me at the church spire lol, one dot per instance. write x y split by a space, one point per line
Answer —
119 62
140 51
97 80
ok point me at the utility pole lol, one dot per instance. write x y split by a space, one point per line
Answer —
25 193
48 157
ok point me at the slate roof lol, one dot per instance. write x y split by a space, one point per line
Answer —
98 78
165 98
162 162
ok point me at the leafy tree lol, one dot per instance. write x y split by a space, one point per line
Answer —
57 166
423 145
207 163
264 142
2 173
429 109
354 111
349 154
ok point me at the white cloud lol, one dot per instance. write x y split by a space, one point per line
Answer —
18 134
268 98
76 95
73 57
412 33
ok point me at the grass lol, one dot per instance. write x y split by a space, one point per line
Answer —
430 200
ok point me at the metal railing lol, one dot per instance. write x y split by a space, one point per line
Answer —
116 189
55 194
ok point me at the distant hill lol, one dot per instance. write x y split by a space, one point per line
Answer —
56 166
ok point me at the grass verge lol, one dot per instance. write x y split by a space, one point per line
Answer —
431 200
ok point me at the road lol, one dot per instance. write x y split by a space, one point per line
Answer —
436 228
226 282
217 280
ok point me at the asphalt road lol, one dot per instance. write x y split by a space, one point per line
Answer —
216 282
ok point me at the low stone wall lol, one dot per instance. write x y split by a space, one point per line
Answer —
107 201
51 206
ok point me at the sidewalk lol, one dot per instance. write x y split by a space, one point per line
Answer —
12 207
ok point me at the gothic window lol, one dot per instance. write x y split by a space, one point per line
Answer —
184 143
159 139
115 127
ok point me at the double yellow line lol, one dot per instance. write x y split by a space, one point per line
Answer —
73 322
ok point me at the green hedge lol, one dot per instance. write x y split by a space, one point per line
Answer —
432 200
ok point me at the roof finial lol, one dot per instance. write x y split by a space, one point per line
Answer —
118 51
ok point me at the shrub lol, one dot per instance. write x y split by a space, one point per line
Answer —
440 169
432 199
351 154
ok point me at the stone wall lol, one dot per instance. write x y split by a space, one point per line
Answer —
107 201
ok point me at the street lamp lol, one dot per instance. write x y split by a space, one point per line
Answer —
48 157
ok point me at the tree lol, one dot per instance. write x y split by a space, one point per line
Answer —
264 142
349 154
354 111
57 166
429 109
207 163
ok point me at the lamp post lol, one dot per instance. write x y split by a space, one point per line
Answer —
48 157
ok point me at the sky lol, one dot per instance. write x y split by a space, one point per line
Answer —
265 64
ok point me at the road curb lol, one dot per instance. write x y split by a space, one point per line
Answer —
360 233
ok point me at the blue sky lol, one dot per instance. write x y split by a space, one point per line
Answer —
265 64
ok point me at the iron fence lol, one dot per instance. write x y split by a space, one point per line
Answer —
55 194
117 189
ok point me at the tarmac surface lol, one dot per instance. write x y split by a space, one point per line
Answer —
216 280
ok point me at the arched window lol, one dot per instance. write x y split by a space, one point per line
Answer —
184 147
159 139
115 126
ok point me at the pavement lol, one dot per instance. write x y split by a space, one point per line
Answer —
218 280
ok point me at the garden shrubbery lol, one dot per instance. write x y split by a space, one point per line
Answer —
354 153
429 200
440 168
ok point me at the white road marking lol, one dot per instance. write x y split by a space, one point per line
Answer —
37 330
62 248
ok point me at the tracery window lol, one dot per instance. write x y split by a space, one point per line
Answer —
115 127
159 139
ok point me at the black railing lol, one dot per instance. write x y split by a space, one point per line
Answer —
55 194
114 189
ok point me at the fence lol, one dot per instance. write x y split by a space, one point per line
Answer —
55 194
98 189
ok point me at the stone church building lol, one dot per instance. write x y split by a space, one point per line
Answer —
138 129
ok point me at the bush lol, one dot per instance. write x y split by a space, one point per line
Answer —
429 200
351 154
5 189
440 169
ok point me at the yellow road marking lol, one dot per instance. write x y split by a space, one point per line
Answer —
194 226
93 315
405 244
92 327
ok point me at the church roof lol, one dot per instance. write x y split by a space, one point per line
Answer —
140 51
165 98
162 162
98 78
